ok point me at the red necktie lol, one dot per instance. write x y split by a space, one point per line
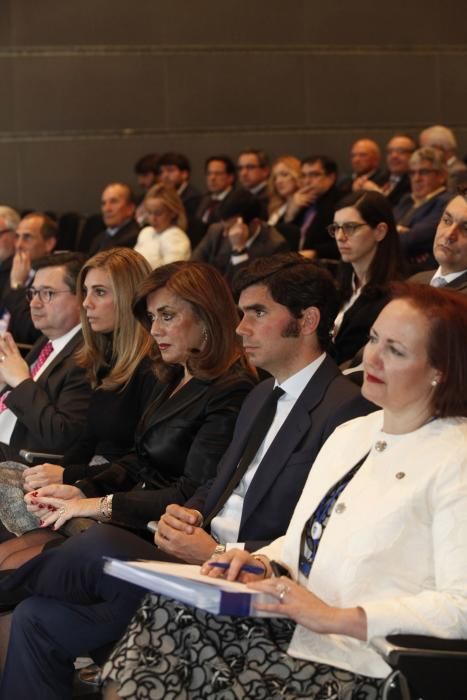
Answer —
35 367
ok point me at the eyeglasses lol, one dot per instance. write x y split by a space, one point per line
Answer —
312 174
348 228
248 166
423 172
45 295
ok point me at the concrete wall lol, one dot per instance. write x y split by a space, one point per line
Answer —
90 86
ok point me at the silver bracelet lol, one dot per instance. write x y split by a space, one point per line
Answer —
105 507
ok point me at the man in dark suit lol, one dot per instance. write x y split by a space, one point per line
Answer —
175 170
313 205
365 158
253 174
449 249
239 237
220 181
35 236
118 211
397 184
418 213
45 397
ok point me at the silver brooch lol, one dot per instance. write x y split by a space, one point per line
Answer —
381 445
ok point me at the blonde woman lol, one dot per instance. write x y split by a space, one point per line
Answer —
284 181
117 356
164 240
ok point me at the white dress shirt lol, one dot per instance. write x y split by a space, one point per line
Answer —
162 248
226 525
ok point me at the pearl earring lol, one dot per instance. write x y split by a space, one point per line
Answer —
434 382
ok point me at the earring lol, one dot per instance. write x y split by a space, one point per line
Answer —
434 382
205 335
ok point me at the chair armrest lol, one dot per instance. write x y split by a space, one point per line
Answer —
31 457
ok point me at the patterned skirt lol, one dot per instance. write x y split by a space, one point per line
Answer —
174 652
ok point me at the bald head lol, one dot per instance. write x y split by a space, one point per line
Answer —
365 156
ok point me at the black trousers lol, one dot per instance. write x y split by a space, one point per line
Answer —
74 609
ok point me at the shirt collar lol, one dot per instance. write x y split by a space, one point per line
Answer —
295 384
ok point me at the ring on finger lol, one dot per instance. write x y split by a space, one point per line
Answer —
61 511
282 589
2 358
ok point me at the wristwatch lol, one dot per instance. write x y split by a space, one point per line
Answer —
220 549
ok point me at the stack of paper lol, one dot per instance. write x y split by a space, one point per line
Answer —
184 582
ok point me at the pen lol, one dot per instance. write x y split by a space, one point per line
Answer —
248 568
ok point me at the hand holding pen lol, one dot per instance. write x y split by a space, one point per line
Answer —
235 565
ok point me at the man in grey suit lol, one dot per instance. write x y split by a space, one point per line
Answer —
45 397
449 249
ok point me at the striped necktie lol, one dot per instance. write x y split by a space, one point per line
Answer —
35 367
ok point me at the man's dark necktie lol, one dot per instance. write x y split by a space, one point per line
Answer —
259 429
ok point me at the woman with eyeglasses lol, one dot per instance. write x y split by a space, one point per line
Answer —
368 243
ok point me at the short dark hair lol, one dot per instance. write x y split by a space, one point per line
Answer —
328 164
71 261
240 203
147 164
446 313
262 156
296 283
230 168
177 159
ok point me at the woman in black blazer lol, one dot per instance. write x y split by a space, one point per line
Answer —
368 242
180 440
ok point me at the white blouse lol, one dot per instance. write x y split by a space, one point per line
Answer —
161 248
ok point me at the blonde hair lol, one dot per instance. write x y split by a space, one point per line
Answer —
130 342
170 198
293 165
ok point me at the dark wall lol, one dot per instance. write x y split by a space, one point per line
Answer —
90 86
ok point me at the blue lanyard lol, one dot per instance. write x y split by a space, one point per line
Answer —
316 523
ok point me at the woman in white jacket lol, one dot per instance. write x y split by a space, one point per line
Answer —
377 544
164 240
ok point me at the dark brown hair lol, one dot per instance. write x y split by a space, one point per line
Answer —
209 296
446 313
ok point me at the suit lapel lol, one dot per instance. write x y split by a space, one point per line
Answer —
68 350
459 283
292 432
188 394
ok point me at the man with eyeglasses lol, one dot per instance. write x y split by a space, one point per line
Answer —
418 213
450 249
398 151
43 404
9 220
253 173
312 207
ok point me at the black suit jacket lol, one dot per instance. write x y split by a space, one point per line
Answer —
51 411
356 323
178 445
316 236
459 284
126 237
344 185
328 400
215 248
422 224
